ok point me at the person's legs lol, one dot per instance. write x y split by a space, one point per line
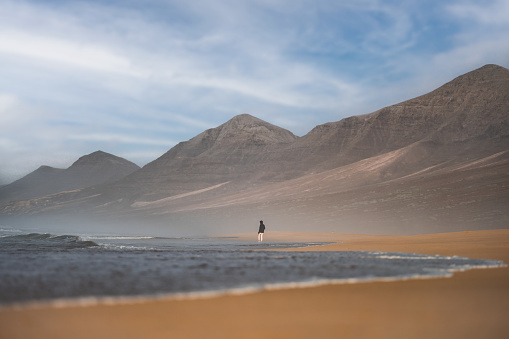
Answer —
261 237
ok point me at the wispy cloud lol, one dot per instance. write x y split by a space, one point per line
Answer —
64 52
490 13
124 139
127 77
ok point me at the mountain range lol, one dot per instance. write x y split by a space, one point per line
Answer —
438 162
92 169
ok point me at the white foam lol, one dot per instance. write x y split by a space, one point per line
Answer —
126 300
420 257
315 282
10 230
117 247
98 237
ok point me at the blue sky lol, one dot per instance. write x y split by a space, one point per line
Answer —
134 78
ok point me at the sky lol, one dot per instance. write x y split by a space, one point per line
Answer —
134 78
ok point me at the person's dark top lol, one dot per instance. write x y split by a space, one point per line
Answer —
262 227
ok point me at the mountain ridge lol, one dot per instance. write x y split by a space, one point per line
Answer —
461 106
91 169
246 168
232 150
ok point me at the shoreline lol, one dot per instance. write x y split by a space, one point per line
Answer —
231 292
300 312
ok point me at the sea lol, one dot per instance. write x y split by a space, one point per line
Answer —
45 268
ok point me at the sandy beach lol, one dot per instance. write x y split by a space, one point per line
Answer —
471 304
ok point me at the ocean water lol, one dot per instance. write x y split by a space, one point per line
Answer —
41 267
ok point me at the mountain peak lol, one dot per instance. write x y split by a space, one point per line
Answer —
245 120
489 72
485 85
245 117
245 128
99 158
249 121
251 124
45 168
491 69
241 147
92 169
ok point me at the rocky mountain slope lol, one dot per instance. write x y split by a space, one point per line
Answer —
244 148
92 169
474 105
436 162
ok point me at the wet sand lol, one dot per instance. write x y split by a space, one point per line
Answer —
472 304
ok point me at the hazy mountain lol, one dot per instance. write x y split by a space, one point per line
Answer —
467 108
35 184
92 169
243 148
436 162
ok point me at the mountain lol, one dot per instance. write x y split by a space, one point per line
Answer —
37 183
92 169
473 106
438 162
465 111
244 148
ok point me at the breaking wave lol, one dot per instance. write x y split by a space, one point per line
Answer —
38 241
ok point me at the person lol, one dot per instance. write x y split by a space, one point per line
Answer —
261 230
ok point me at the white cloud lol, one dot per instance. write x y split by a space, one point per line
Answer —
483 39
110 75
17 116
257 69
7 103
475 54
123 139
487 13
62 51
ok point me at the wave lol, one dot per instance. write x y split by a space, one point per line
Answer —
414 256
242 290
119 237
46 240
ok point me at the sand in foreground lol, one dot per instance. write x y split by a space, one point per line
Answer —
472 304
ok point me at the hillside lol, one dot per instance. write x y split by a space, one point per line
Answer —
472 106
435 162
92 169
243 148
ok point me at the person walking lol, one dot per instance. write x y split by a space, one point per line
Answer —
261 230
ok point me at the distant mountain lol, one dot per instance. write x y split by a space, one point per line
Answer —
244 148
438 162
35 184
92 169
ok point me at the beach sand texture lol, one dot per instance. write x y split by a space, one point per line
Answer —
472 304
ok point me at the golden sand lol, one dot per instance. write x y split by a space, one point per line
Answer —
472 304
